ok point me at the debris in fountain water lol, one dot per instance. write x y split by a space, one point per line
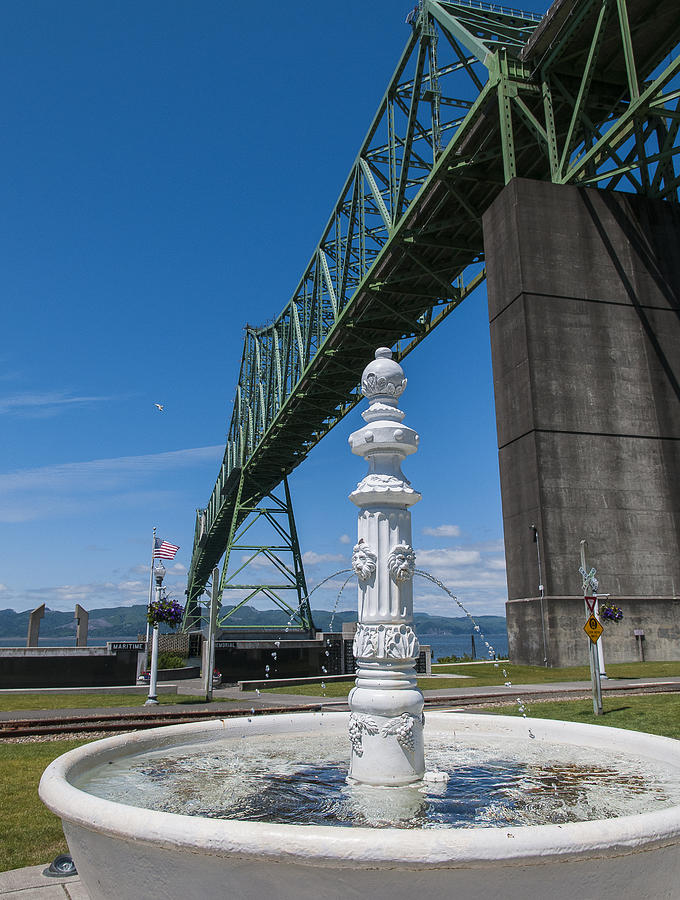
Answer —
436 776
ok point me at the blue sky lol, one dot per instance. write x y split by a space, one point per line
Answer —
167 170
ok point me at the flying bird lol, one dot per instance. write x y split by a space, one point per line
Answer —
159 407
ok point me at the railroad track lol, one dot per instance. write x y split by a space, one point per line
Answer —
135 721
132 721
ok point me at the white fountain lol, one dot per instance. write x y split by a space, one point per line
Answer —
386 721
224 808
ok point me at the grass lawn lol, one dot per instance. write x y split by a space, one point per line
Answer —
488 675
28 700
653 713
31 834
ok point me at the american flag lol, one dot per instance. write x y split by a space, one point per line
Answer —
164 549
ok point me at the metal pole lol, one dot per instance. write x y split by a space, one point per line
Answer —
152 699
212 628
600 645
541 591
153 547
594 662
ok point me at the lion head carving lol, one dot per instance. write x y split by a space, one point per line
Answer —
401 563
364 561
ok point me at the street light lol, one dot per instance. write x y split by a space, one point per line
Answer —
152 699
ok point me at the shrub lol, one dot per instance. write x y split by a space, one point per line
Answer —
171 661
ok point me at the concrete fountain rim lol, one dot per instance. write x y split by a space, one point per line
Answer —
343 846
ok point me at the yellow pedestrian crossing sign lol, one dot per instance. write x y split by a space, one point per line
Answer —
593 628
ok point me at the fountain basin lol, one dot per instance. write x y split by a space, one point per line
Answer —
123 851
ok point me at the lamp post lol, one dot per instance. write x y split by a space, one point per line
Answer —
152 699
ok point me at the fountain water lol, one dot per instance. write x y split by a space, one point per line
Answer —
265 807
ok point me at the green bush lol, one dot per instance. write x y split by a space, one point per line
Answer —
171 661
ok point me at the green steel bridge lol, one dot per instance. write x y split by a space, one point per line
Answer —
589 94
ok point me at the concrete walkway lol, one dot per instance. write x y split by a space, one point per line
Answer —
31 884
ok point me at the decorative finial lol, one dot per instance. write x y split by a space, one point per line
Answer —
383 378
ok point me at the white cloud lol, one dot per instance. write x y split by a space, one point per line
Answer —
256 561
125 591
70 488
345 539
42 404
178 567
438 559
310 558
443 531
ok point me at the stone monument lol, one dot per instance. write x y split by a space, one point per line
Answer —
82 618
386 722
34 625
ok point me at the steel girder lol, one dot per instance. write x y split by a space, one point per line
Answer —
590 94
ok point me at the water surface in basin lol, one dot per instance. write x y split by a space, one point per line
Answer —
301 779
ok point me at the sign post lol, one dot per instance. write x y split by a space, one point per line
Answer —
209 655
593 627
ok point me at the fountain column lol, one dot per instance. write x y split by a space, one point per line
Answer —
386 721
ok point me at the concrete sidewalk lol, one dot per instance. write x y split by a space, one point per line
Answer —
31 884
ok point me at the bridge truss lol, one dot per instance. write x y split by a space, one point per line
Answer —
589 95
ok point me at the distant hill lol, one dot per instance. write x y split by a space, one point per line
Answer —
115 622
129 621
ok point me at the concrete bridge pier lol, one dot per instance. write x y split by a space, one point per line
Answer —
584 310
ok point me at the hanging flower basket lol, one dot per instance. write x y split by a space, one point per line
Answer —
610 613
165 611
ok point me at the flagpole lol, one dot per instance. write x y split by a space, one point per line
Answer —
153 547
